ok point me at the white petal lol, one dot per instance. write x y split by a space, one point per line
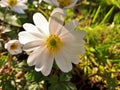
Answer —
58 14
79 33
41 22
3 3
72 25
18 10
21 6
66 36
63 63
31 28
54 2
40 1
58 10
72 36
72 4
33 45
46 59
35 57
57 18
22 1
72 52
58 29
74 47
42 60
55 27
17 50
25 37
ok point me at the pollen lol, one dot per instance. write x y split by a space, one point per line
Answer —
53 43
12 2
64 3
14 46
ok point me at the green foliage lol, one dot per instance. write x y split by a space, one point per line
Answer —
99 67
3 59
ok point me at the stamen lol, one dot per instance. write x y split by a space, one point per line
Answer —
64 3
53 43
12 2
14 46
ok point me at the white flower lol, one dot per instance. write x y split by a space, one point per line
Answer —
15 5
40 1
50 40
13 46
62 3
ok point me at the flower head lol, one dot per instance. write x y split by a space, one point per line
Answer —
13 46
15 5
62 3
51 40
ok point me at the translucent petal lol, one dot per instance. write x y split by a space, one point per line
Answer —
73 52
74 48
73 36
72 25
72 4
55 27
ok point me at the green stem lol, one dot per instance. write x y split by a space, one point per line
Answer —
43 13
3 22
107 15
10 59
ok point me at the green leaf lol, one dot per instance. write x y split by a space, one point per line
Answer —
111 82
65 76
62 86
3 59
117 18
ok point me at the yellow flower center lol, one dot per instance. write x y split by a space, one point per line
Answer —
14 46
53 43
12 2
64 3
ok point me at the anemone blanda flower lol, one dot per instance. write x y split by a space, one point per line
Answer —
51 40
62 3
13 46
15 5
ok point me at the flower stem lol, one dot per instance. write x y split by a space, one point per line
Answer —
10 59
43 13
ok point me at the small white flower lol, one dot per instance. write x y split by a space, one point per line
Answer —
13 46
50 40
40 1
62 3
15 5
